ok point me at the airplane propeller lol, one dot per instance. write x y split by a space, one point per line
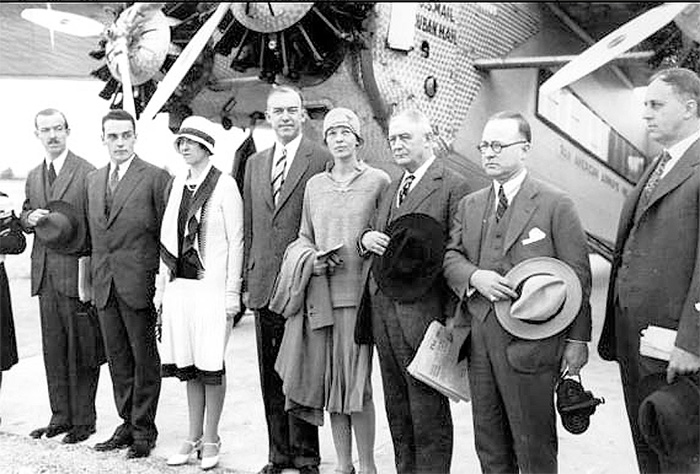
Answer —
136 46
183 63
621 40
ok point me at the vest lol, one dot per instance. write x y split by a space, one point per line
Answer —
491 254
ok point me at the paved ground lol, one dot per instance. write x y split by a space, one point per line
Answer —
604 448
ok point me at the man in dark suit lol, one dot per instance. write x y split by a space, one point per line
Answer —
272 201
126 201
419 416
655 276
513 379
68 336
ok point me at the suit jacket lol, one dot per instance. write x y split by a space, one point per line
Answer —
268 230
537 205
70 186
437 194
663 285
125 243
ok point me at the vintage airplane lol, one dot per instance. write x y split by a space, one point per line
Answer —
459 62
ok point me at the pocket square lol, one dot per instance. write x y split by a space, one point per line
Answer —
534 235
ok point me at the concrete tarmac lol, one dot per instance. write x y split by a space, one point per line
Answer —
604 448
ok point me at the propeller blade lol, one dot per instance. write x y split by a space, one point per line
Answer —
121 57
69 23
614 44
183 63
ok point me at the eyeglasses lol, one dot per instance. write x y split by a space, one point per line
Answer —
497 147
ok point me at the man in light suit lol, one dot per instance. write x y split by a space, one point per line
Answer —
126 201
273 194
655 276
69 337
512 379
419 416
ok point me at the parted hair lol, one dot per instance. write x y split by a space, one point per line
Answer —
118 114
47 112
523 124
685 83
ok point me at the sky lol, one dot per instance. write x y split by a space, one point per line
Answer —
78 99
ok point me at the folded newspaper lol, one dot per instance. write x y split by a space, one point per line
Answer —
436 365
657 342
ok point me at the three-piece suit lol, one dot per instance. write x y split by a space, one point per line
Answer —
125 260
512 380
419 416
71 339
268 230
655 279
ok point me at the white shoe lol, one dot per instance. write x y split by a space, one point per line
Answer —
191 447
211 461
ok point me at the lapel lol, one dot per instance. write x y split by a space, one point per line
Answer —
684 169
296 171
429 183
38 185
65 177
266 181
630 205
474 220
523 205
389 201
99 193
126 186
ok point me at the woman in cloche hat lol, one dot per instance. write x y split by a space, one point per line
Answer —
198 287
338 204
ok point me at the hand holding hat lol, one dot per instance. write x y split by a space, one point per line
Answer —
61 229
549 298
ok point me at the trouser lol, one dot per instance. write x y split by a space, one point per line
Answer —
292 441
419 417
512 384
72 380
633 368
134 364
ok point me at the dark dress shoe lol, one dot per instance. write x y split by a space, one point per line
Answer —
50 431
139 449
79 433
308 470
121 438
272 468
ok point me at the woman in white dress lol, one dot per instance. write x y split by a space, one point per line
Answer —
198 287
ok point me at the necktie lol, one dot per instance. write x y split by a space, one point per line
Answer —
406 187
655 177
278 175
502 204
111 187
51 174
114 180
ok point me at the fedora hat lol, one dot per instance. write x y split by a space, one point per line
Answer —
669 419
549 298
413 259
62 229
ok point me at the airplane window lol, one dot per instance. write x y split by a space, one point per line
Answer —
565 112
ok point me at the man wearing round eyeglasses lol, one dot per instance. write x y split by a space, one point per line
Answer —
513 379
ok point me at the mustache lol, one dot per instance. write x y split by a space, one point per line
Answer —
53 141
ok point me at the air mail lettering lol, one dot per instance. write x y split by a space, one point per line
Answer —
442 9
434 28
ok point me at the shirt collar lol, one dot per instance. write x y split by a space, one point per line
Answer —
512 186
57 162
123 166
418 173
291 148
679 149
